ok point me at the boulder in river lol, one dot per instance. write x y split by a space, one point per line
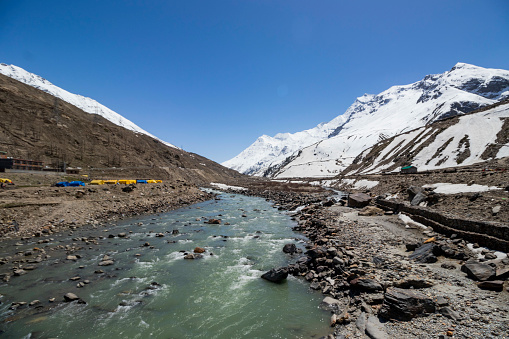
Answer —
213 221
70 297
290 248
276 275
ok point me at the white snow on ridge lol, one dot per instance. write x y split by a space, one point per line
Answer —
468 139
86 104
265 150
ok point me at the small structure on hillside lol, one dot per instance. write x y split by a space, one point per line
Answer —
71 170
408 169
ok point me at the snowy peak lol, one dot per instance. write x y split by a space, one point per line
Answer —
86 104
328 148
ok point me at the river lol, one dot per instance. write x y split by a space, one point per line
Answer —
152 291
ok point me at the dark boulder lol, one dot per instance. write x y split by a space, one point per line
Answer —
418 198
412 191
328 203
368 285
405 304
276 275
128 189
478 271
358 200
425 253
495 285
290 248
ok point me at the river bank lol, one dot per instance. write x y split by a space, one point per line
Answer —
40 210
384 276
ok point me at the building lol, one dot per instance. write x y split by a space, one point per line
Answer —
19 164
408 169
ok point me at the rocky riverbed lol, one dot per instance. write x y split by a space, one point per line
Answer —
384 277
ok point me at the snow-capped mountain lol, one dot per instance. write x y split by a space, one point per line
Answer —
464 140
267 150
86 104
329 148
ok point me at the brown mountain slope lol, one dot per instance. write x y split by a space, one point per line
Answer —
35 125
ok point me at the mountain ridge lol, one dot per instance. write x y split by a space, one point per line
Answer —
372 118
86 104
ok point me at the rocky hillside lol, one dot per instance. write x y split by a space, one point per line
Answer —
86 104
328 149
36 125
470 139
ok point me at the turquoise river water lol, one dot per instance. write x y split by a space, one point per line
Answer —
218 296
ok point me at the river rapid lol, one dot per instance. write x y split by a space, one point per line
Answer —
152 291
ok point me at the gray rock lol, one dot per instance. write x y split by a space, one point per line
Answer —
405 304
502 274
369 285
330 303
18 272
425 253
414 282
490 256
442 301
495 210
193 256
418 198
361 322
358 200
72 257
375 329
106 263
35 302
70 297
276 275
412 191
450 313
478 271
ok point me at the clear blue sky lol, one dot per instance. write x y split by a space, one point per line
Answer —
212 76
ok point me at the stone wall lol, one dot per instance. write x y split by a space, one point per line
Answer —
489 234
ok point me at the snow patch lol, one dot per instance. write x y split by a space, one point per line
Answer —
446 188
360 184
225 187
